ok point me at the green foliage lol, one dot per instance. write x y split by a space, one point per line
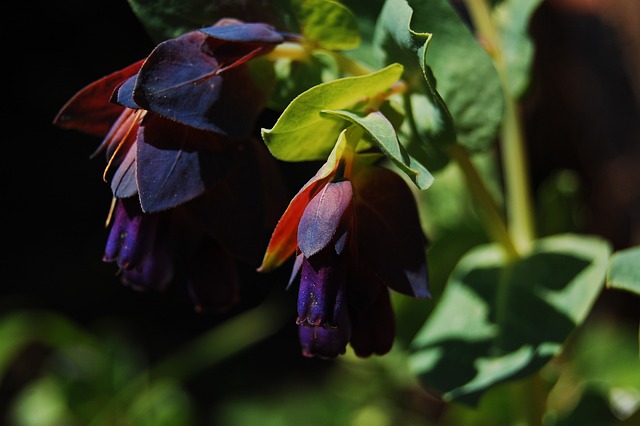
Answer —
624 270
516 316
302 133
327 23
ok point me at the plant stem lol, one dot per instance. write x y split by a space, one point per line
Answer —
495 223
514 161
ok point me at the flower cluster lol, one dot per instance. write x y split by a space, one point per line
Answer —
355 232
195 190
192 186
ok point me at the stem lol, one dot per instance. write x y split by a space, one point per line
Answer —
514 161
495 223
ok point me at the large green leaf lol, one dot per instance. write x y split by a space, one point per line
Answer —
385 138
624 270
165 19
466 77
429 126
302 133
498 321
512 18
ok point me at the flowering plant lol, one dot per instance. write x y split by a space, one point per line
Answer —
416 232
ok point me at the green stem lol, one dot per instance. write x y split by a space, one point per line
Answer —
515 164
489 212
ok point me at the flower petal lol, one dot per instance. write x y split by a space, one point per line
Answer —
390 240
90 109
322 216
373 329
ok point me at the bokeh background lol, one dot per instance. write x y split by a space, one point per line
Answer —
582 120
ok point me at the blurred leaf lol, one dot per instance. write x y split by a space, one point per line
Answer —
295 77
385 138
165 19
42 403
624 270
560 206
497 321
164 403
327 23
303 134
21 328
512 18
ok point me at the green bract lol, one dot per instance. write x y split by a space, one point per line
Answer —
327 23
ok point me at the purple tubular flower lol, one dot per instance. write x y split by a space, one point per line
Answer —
356 236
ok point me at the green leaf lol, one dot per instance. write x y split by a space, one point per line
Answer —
327 23
384 136
512 18
429 126
165 19
302 133
466 77
499 321
624 270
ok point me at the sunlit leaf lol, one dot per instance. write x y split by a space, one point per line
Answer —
429 125
384 136
624 270
302 133
466 77
327 23
498 321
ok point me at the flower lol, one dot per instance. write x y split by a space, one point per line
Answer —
193 189
355 233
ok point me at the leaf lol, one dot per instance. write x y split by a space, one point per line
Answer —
302 133
512 18
384 136
165 19
466 77
624 270
498 322
327 23
177 163
429 125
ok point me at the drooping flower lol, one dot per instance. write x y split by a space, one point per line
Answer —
355 233
193 187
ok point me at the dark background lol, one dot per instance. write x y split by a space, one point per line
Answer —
582 114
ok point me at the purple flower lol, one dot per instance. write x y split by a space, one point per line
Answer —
356 234
194 190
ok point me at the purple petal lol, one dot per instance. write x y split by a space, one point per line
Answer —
176 163
245 33
154 273
373 329
322 216
321 297
123 182
124 94
132 235
390 238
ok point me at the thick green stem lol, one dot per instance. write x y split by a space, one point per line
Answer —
515 166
